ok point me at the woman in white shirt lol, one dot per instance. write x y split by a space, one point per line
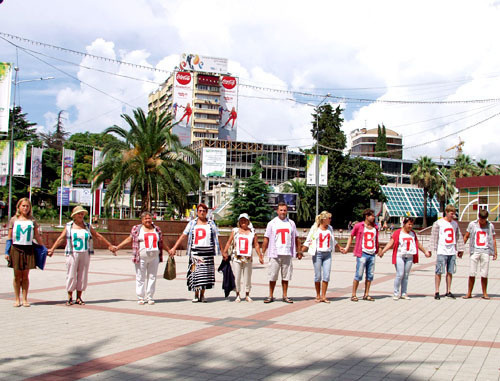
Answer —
245 240
19 249
404 255
320 244
79 237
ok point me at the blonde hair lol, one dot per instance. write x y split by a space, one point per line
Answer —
18 212
322 216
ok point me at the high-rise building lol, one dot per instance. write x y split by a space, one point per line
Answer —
202 98
363 142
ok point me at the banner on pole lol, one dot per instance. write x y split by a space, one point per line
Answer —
311 170
5 88
4 157
97 159
65 196
68 163
20 158
36 167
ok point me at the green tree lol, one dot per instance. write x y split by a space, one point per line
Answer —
57 138
256 195
485 169
424 175
305 211
151 158
381 145
464 166
237 205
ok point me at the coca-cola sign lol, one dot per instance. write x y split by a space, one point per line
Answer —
229 82
183 78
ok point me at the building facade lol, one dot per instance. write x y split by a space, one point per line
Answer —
478 192
363 142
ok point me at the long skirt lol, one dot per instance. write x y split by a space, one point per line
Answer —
201 270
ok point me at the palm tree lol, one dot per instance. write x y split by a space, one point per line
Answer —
485 169
151 158
463 167
305 210
424 175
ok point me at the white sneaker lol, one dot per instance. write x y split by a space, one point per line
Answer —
248 299
395 297
151 302
238 299
405 297
195 300
141 302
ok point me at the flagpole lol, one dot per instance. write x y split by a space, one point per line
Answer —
31 169
62 191
92 189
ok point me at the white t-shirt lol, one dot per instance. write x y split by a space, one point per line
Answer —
325 241
80 240
407 244
244 244
447 238
148 242
22 232
480 237
283 237
201 236
369 244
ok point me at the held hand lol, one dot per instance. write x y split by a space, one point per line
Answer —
261 259
224 256
6 257
50 252
495 256
460 254
428 254
380 254
299 256
343 250
113 249
172 252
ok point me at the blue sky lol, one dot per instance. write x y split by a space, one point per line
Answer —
387 50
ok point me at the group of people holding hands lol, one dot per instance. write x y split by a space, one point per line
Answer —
281 243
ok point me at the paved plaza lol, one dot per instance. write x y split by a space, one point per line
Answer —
114 338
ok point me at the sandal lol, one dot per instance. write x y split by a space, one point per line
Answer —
69 302
26 304
287 300
17 304
369 298
354 299
268 300
80 301
325 301
317 300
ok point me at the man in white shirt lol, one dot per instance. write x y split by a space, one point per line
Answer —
447 243
282 239
483 245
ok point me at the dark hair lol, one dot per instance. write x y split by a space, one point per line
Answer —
483 214
203 206
368 212
408 219
281 203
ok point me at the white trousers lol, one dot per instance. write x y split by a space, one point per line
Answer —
77 267
245 269
145 276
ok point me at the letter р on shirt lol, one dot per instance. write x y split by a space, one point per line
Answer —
283 237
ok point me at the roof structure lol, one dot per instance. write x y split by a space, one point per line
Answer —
405 201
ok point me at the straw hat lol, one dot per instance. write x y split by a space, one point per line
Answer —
78 209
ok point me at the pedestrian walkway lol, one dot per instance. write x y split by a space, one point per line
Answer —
114 338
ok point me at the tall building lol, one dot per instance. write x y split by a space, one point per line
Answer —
202 97
363 142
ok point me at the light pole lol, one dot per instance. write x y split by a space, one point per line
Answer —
317 151
11 145
445 186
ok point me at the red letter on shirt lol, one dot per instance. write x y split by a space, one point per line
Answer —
450 237
199 235
147 240
408 241
323 238
481 238
368 240
243 245
283 233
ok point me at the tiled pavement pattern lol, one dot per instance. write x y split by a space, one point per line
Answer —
114 338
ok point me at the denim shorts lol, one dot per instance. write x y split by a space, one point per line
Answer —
366 261
446 262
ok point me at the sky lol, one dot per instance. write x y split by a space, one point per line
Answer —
427 69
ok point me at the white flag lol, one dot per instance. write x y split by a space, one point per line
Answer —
4 157
36 167
5 86
67 166
20 158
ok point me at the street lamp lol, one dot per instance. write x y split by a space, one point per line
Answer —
445 186
11 146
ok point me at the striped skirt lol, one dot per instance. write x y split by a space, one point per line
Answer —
201 270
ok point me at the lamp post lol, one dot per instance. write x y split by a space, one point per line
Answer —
445 186
11 145
317 151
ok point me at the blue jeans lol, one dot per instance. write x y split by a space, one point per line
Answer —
446 263
322 259
366 261
403 267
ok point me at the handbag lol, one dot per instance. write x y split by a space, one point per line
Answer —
40 252
170 272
